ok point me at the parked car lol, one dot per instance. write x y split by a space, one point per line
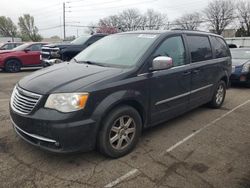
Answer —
118 86
25 55
9 45
241 66
56 53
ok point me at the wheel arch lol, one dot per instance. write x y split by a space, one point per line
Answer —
115 100
13 57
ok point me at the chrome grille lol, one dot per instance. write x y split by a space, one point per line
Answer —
23 101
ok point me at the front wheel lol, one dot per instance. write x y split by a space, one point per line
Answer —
219 95
120 132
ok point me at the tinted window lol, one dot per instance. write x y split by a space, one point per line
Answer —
94 39
220 47
35 47
200 48
172 47
81 40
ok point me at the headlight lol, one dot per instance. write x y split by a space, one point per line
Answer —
246 67
55 52
67 102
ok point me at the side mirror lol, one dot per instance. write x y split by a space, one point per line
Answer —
161 63
27 50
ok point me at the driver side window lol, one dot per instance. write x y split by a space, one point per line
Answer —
173 47
35 47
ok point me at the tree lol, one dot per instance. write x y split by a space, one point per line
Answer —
132 19
219 14
111 21
28 29
189 21
243 9
154 20
107 29
7 27
241 32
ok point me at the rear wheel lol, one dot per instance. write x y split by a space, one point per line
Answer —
120 132
12 65
219 95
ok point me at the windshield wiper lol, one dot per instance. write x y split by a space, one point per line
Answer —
93 63
75 60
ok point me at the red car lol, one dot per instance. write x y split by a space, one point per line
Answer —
26 55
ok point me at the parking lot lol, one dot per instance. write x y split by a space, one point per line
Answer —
203 148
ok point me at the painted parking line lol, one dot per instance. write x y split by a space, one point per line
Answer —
122 178
206 126
136 171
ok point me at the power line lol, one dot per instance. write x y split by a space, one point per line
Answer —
121 6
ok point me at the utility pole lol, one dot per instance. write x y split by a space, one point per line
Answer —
64 29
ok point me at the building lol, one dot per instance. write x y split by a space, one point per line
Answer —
241 42
10 39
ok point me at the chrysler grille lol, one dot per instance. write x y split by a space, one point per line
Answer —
23 101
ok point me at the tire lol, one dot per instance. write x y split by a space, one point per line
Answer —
12 65
120 132
219 95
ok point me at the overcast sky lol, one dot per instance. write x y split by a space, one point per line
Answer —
48 13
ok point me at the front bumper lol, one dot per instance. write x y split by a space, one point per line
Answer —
56 136
49 62
240 78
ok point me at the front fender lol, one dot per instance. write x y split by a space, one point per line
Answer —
119 97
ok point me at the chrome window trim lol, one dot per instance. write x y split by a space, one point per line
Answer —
182 95
31 135
191 65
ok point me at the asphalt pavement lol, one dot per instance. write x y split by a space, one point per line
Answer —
203 148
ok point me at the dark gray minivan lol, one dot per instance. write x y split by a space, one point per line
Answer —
118 86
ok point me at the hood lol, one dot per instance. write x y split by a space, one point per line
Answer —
66 77
5 51
60 45
239 62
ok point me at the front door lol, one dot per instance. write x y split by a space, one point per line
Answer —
32 57
170 88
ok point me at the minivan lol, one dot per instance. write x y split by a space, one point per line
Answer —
124 83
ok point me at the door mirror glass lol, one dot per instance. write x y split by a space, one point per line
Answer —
161 63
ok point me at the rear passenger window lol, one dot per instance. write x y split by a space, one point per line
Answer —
200 48
220 47
172 47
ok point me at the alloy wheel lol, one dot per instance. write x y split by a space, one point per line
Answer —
220 94
122 132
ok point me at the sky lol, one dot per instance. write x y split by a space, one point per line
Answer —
48 13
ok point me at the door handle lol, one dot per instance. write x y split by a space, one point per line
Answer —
186 73
196 71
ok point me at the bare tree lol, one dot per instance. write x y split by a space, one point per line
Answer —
243 8
220 13
130 19
111 21
154 20
189 21
28 29
7 27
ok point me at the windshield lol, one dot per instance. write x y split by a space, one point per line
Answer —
21 47
80 40
122 50
241 54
